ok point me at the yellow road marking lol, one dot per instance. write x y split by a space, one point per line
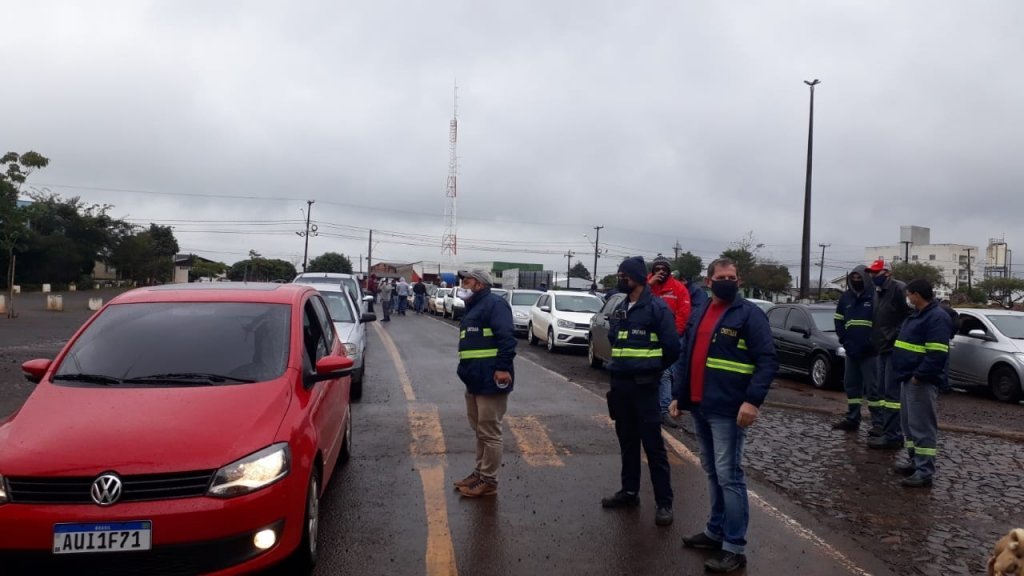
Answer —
428 451
403 376
535 445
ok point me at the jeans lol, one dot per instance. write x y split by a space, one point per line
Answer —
403 303
485 412
721 453
665 391
890 399
417 303
387 305
920 425
637 418
859 380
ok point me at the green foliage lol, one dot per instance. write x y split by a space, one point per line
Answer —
259 269
907 271
16 168
962 295
203 269
330 262
762 277
689 265
1001 289
609 281
579 271
144 256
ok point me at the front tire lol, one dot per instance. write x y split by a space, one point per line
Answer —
356 392
346 442
595 362
1005 385
308 551
821 369
531 338
551 341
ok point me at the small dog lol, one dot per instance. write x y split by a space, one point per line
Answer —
1008 557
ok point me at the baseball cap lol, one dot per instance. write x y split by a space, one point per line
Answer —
477 274
877 266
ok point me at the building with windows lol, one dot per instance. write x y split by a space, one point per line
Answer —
958 262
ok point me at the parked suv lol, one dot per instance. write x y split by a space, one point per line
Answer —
562 319
988 350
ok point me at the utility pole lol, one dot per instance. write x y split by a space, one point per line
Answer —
677 248
597 240
369 255
309 230
970 289
568 266
821 274
805 254
906 249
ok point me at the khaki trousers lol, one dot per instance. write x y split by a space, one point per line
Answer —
485 412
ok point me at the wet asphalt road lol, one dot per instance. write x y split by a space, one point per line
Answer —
391 510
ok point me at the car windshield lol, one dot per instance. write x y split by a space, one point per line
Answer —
497 292
338 306
1011 325
442 292
524 299
577 303
222 340
319 280
352 287
824 320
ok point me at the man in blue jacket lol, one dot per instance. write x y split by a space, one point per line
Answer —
487 346
853 319
722 377
644 342
919 364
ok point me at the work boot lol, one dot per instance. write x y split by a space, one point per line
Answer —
916 481
467 481
904 468
847 425
620 499
663 517
723 562
668 421
882 444
702 540
479 488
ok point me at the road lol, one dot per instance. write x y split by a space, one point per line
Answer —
823 504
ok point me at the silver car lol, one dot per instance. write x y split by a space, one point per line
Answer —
988 350
350 324
349 281
521 301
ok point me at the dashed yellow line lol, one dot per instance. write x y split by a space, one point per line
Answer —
535 445
428 451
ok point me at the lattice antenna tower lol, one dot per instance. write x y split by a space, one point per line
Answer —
449 241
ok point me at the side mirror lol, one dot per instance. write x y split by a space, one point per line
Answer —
545 308
329 368
368 298
801 330
979 334
34 370
368 317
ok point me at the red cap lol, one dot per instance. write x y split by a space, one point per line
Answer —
877 266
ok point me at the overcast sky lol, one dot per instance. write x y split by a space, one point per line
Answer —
660 121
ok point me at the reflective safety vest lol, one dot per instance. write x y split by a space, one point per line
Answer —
643 338
487 344
922 346
477 347
854 320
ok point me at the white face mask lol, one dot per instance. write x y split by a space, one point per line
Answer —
910 303
464 293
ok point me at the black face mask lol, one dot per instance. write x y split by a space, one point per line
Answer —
857 285
623 285
725 289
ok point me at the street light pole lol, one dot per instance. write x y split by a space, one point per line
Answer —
821 274
597 240
805 256
305 251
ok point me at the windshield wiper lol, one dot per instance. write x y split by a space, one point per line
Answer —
90 378
187 378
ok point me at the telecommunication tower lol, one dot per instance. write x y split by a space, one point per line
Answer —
449 241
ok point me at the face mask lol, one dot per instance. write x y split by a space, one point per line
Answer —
725 289
910 303
857 285
623 285
879 280
464 293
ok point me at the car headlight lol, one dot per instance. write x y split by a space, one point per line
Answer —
841 352
253 472
566 324
521 315
351 350
3 490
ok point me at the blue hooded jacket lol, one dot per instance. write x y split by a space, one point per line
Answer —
487 343
922 346
854 317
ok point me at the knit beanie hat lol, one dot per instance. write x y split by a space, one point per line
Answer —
635 269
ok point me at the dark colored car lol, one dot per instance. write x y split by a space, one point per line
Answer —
599 350
806 342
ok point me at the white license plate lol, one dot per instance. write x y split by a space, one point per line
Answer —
107 537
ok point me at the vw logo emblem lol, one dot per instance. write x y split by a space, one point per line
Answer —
106 490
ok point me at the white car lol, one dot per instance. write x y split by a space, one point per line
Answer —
350 324
453 307
562 319
521 301
435 302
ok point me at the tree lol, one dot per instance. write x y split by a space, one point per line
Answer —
330 262
259 269
1002 289
689 265
579 271
907 271
610 281
145 257
767 278
203 269
16 169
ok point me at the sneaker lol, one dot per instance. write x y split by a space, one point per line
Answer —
723 562
904 468
663 517
668 421
702 540
883 444
467 481
480 488
916 481
847 425
620 500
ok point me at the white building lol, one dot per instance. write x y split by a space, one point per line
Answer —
957 261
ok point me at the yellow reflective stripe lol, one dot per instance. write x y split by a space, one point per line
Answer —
908 443
918 348
839 316
890 405
487 332
875 403
623 334
477 354
857 401
918 451
742 344
462 335
936 347
654 337
636 353
864 323
730 366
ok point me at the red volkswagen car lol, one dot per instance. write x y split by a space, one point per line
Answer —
184 429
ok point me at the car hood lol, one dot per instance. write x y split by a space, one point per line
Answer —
1015 345
522 308
76 431
577 317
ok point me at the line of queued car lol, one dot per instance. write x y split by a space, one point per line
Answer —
183 429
